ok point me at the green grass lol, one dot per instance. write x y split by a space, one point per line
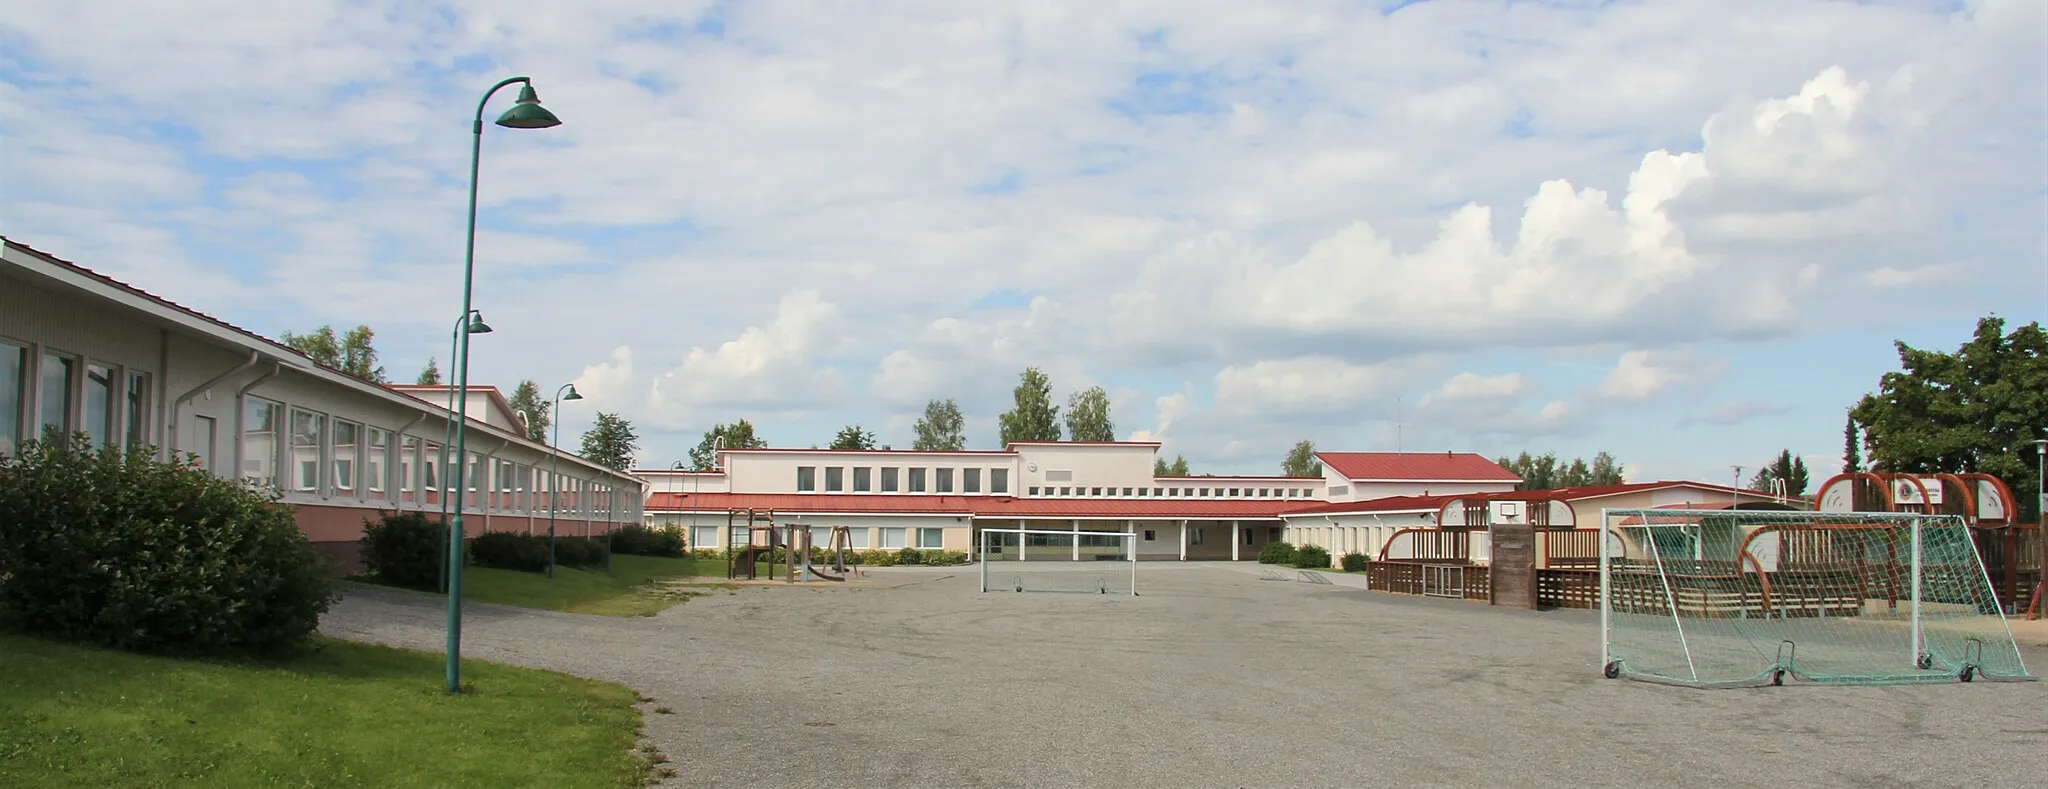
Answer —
633 588
348 715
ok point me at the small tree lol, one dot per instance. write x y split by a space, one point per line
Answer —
1088 416
853 437
353 353
738 435
1605 471
610 442
431 374
1034 418
527 403
942 428
1852 450
1301 461
321 345
1178 468
1786 468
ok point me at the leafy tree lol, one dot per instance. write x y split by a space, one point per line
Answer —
1301 461
353 353
738 435
852 437
1974 410
1178 468
942 428
610 442
1034 418
1852 450
1088 416
527 403
1546 472
431 374
1784 467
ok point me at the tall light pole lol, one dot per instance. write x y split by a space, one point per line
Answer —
567 392
525 114
2041 519
470 323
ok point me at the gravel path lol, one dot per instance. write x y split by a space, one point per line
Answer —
1213 678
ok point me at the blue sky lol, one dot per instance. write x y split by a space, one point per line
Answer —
1685 233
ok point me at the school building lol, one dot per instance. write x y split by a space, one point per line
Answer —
81 352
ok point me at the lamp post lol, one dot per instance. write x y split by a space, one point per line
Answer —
525 114
2041 517
470 323
567 392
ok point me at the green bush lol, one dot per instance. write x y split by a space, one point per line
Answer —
569 552
938 558
642 541
875 557
1311 556
404 549
1277 552
1354 562
708 553
909 556
511 551
117 549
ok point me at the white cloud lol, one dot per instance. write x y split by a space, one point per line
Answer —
771 366
1473 385
1639 375
1889 277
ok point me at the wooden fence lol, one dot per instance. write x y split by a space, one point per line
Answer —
1460 581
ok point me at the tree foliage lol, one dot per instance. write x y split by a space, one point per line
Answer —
1088 416
1034 418
942 428
527 403
1852 449
1301 461
738 435
430 375
354 352
1178 468
1784 467
853 437
610 442
1546 472
1974 410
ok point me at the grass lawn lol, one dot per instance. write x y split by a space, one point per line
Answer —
631 589
348 715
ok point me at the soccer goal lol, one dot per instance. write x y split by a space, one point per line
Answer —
1036 560
1719 598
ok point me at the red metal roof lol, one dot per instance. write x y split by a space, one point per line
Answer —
731 451
977 506
1416 466
1389 504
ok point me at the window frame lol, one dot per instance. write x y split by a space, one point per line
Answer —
320 449
14 417
806 479
336 460
835 479
942 480
913 482
937 534
999 481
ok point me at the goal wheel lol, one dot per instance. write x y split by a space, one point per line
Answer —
1926 661
1778 677
1612 669
1968 673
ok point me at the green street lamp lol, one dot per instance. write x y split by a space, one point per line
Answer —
471 323
526 114
567 392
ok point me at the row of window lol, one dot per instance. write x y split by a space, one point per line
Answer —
337 458
69 393
1163 493
901 480
892 537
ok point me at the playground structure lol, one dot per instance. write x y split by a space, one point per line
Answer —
2010 551
788 545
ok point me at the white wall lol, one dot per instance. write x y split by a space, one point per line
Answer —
1086 465
776 471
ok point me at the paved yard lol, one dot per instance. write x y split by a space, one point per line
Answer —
1213 678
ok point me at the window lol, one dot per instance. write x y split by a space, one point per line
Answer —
1066 491
99 404
704 537
1202 491
1098 492
1059 475
916 482
262 421
857 538
1340 490
889 480
472 476
1151 535
943 479
1034 490
138 409
970 480
380 446
1247 535
53 402
862 476
1233 492
1158 491
931 538
430 467
835 479
309 432
408 459
345 449
806 481
13 368
998 480
892 537
200 443
1127 491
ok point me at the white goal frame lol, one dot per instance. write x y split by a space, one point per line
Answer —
1130 548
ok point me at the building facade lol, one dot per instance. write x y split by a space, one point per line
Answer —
80 352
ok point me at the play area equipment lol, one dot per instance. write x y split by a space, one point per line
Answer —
1719 598
754 537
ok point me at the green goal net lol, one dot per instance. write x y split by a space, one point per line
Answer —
1743 597
1036 560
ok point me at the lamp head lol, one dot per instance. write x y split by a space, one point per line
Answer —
572 395
477 324
527 113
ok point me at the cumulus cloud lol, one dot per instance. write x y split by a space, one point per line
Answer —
1639 375
773 365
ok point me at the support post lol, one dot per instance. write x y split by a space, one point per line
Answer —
1183 541
1600 541
1076 524
1236 537
984 560
1918 643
